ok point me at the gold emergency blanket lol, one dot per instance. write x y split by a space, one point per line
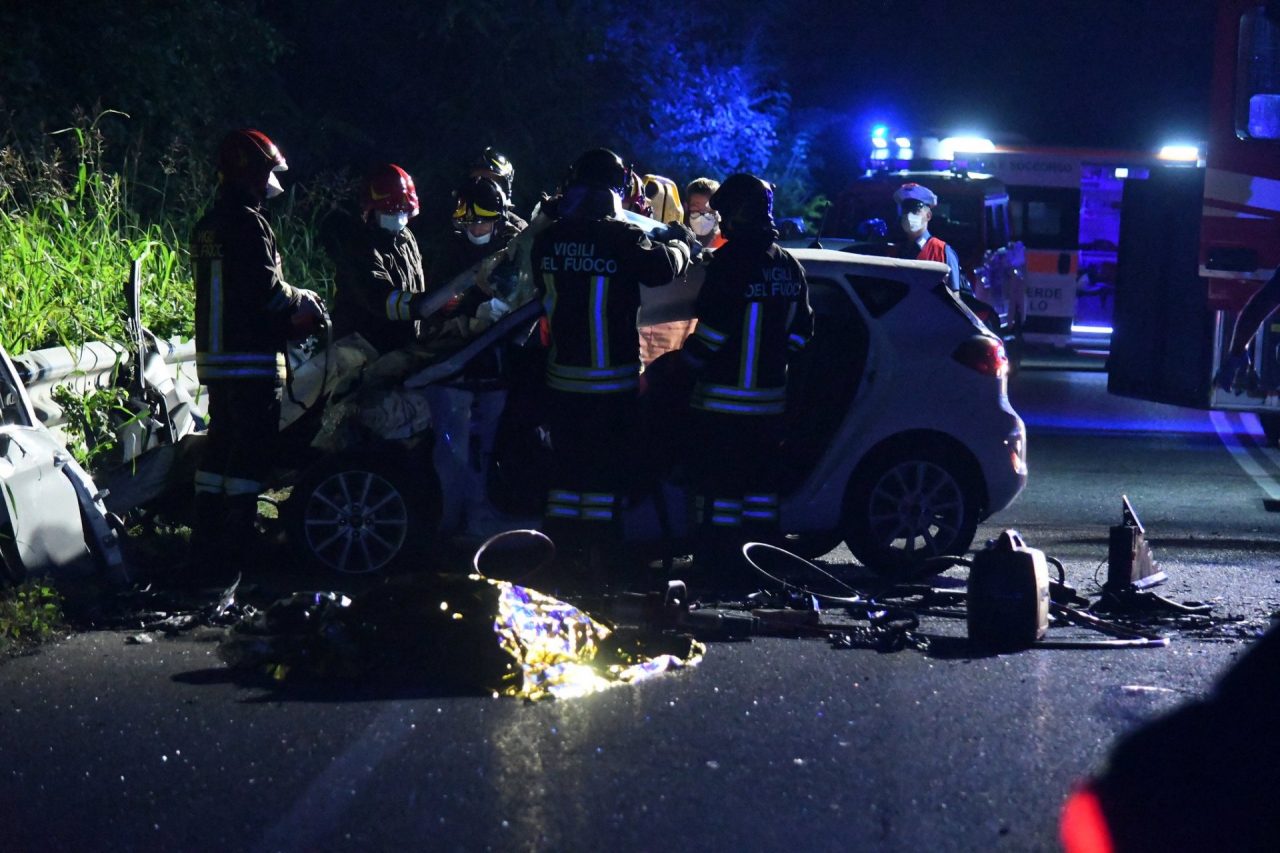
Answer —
562 652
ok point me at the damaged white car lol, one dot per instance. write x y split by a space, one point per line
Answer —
53 520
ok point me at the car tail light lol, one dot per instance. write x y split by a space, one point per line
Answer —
983 354
1083 828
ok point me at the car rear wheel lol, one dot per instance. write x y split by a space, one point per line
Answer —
359 514
909 504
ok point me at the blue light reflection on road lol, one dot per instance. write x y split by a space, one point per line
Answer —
1078 401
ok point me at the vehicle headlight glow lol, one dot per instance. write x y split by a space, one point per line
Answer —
1180 153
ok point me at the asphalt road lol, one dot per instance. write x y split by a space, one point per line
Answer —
772 744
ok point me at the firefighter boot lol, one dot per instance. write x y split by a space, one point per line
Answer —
207 551
248 548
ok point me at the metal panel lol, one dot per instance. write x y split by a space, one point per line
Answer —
94 366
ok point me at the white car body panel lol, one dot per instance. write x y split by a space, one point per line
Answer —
54 511
911 382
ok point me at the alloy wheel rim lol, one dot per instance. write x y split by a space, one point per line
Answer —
356 522
916 508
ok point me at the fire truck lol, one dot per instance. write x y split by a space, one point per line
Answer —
1195 244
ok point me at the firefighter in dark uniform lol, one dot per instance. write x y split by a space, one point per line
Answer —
379 281
753 313
591 264
245 315
496 167
481 227
467 409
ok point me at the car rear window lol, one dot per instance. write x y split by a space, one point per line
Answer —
878 294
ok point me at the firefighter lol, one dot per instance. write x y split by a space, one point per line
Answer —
379 281
466 410
753 313
245 315
915 210
591 264
481 227
497 168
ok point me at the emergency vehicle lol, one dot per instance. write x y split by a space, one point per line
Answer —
1197 243
1063 222
972 216
1064 207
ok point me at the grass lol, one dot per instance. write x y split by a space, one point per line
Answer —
67 237
70 228
30 613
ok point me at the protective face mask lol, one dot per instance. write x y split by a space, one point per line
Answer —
273 186
913 222
702 224
479 241
393 222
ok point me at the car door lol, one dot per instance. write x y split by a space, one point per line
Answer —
41 529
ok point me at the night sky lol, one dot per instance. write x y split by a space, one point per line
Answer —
1114 73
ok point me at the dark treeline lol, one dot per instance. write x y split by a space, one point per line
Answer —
341 85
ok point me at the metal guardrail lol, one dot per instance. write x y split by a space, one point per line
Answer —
93 365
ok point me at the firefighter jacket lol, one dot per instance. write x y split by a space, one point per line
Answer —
753 311
243 304
590 271
378 283
458 254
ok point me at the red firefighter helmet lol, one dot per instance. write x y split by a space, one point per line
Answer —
389 189
247 158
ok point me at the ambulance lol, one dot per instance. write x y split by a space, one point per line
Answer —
1065 208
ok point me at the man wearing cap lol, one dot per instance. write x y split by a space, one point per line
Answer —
915 208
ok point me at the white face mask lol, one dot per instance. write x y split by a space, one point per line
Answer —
481 240
703 224
393 222
913 223
273 186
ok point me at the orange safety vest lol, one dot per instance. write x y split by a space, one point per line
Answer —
933 250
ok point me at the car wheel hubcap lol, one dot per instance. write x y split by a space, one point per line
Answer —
916 508
356 521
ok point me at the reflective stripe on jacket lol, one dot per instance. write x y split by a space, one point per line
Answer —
753 310
243 304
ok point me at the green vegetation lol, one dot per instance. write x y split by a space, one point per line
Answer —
67 237
70 227
30 613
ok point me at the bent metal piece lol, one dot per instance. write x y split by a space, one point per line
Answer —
514 555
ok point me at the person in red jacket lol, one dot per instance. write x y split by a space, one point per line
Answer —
915 210
245 315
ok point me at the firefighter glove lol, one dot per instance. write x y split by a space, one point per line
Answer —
309 316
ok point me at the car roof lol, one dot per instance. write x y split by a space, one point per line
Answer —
874 265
